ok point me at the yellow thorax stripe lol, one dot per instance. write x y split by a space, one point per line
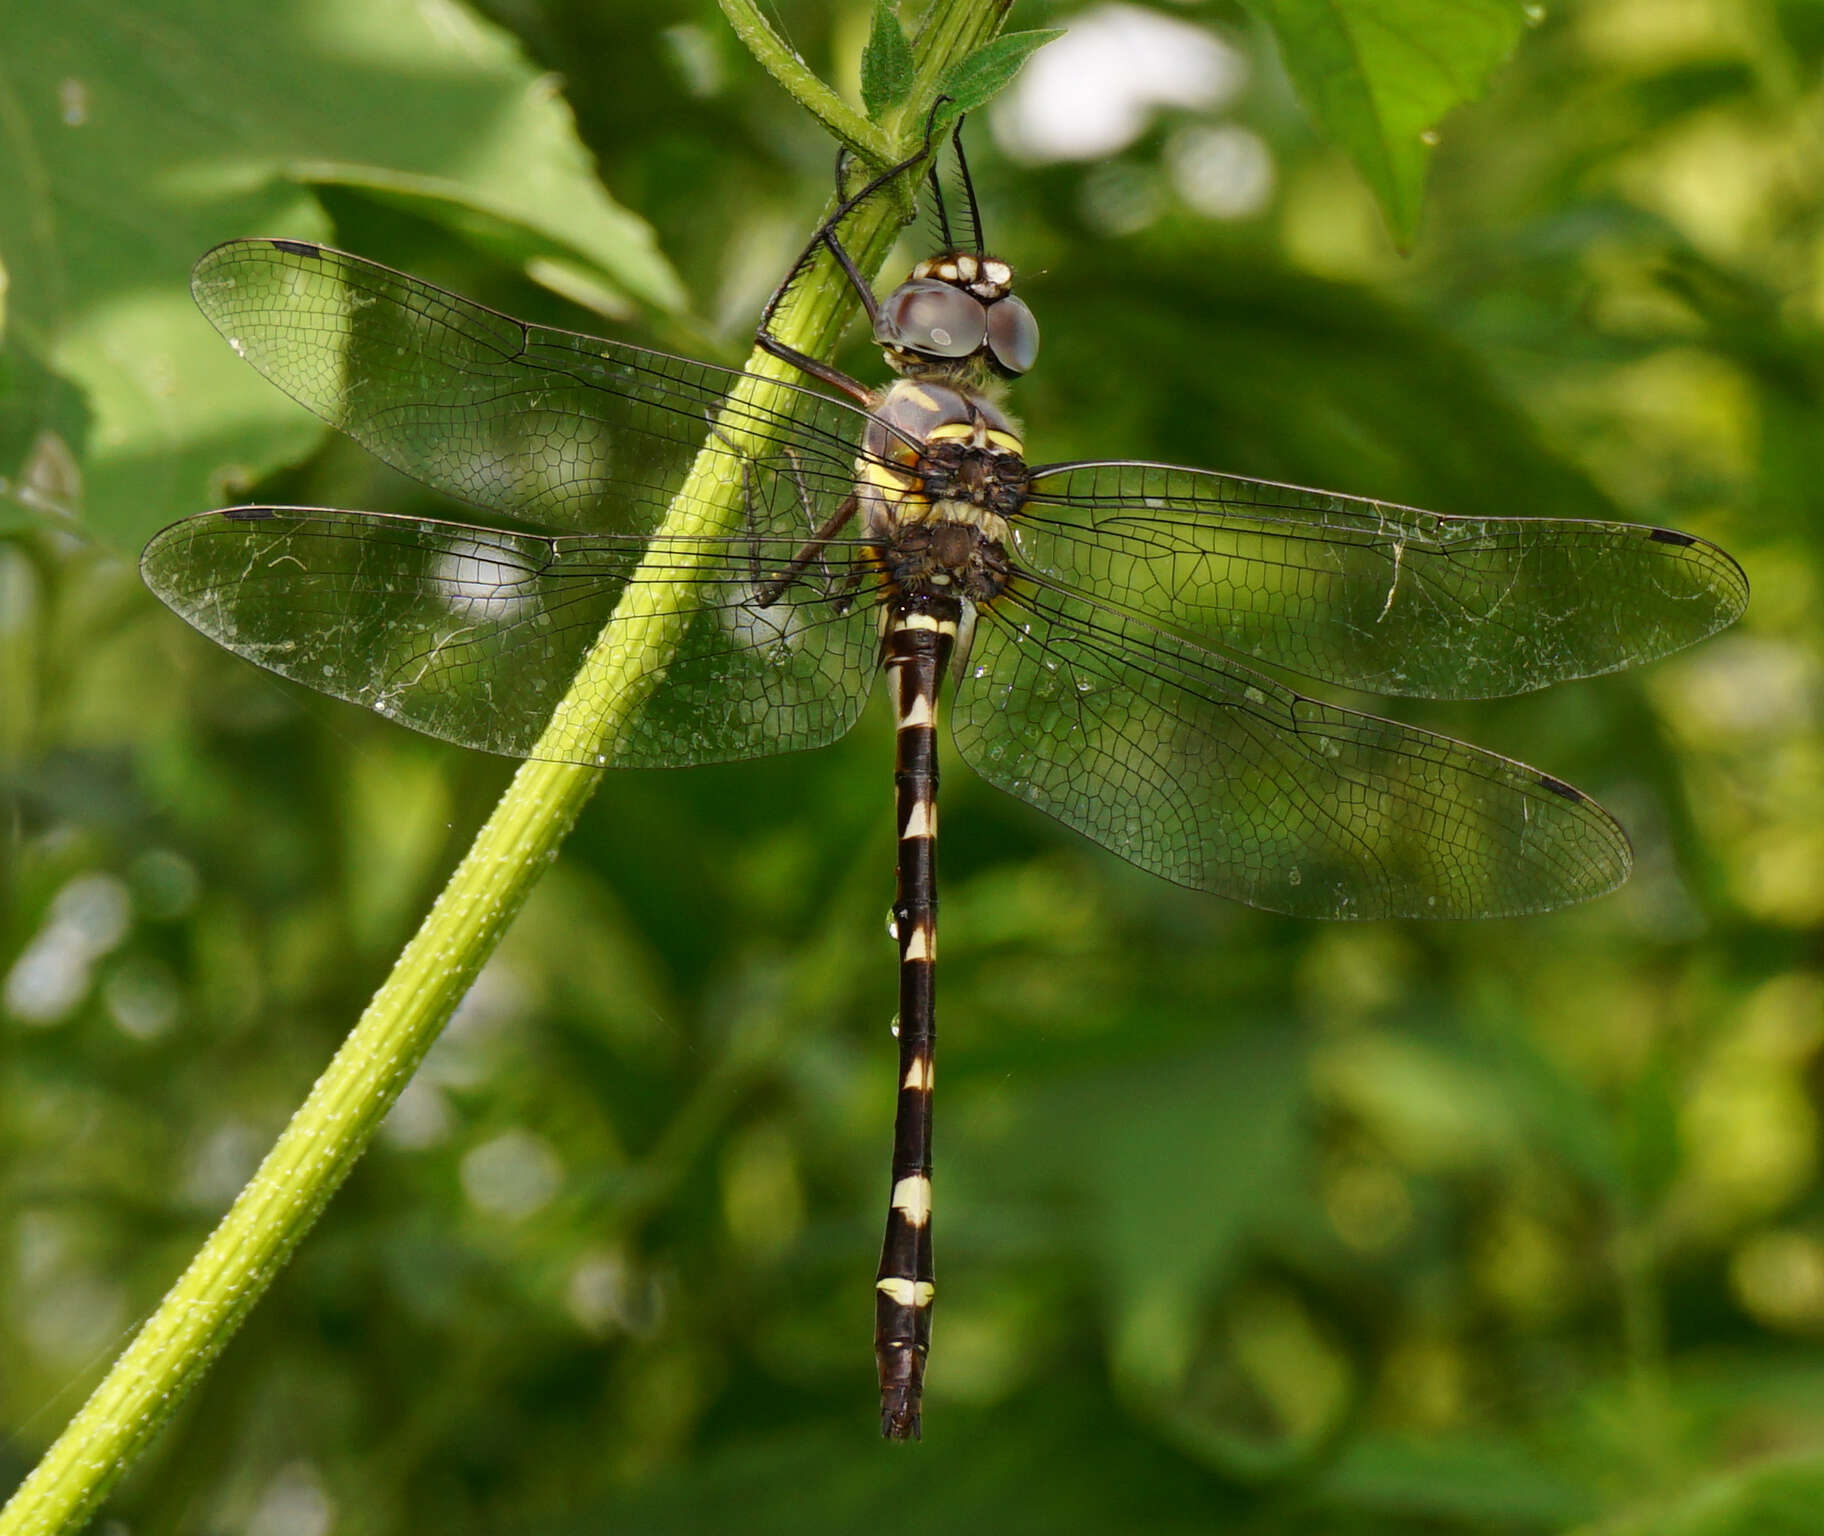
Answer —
883 478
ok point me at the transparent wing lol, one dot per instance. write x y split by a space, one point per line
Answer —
550 427
1370 595
474 634
1218 778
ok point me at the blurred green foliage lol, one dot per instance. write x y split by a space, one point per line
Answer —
1242 1222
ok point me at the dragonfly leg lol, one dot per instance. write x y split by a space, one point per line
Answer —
827 237
768 593
749 500
819 538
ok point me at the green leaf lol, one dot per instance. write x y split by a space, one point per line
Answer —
1378 75
156 130
978 79
887 67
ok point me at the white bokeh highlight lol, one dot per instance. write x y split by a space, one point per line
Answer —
1093 92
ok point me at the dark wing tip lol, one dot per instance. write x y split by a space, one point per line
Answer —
1738 584
1729 582
185 531
1567 791
244 248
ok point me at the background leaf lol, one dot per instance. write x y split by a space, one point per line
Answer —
1378 76
140 135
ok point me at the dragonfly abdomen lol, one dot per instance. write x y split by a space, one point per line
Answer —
920 637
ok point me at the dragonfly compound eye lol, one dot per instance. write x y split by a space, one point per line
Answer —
932 318
1013 335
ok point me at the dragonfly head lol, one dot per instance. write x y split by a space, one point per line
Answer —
956 316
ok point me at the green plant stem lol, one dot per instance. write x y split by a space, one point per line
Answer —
947 35
775 55
331 1129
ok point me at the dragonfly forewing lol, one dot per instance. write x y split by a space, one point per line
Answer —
1371 595
554 428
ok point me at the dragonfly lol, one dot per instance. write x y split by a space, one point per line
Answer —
1109 633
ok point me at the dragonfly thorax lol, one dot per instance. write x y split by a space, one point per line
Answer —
939 450
945 559
963 479
941 472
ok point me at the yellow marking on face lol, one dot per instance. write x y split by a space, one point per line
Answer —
908 1293
947 271
922 945
949 431
912 1199
922 822
965 268
998 273
920 1075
